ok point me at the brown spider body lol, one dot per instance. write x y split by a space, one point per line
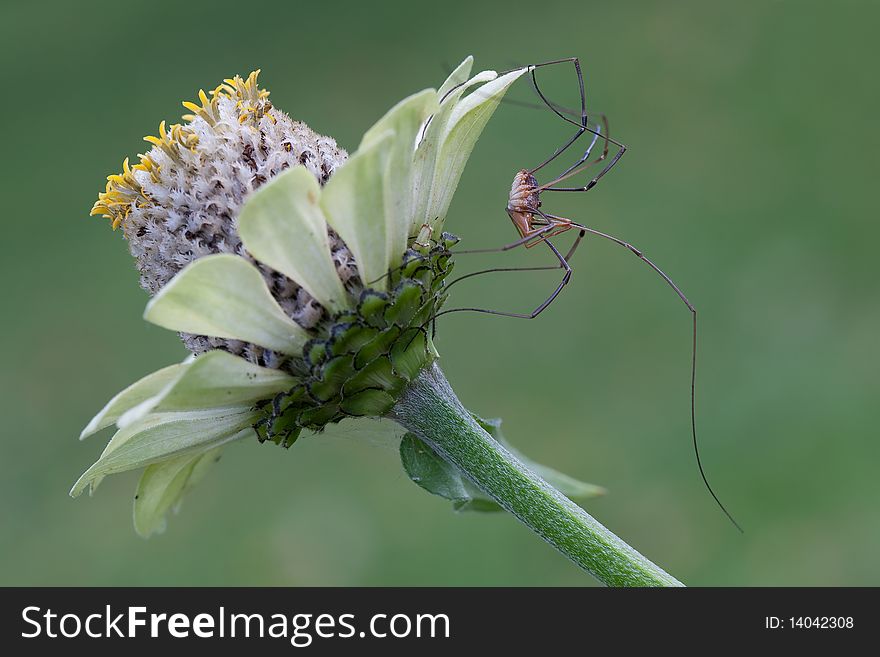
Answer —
525 199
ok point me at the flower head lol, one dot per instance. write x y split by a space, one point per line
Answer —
302 280
182 200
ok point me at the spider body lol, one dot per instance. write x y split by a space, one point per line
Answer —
524 200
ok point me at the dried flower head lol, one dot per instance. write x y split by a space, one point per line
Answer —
181 201
302 280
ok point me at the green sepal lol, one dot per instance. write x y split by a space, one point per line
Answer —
368 403
371 307
448 240
378 346
408 299
377 374
317 417
351 338
332 377
408 353
416 265
315 351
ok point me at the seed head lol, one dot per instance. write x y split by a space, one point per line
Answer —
181 201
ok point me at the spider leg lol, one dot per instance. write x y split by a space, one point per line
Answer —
638 253
641 256
558 230
507 247
563 263
493 270
582 125
548 187
586 154
533 237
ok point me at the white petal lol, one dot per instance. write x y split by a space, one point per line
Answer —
161 436
215 379
405 119
425 161
162 486
465 124
224 296
282 225
353 201
133 395
457 77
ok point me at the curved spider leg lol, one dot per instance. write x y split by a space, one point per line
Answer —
532 237
537 237
507 247
582 125
586 154
548 187
538 106
493 270
641 256
563 263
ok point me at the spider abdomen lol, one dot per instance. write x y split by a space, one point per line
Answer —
524 193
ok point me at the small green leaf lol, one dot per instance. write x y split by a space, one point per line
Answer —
133 395
282 225
430 471
162 485
224 296
436 475
354 204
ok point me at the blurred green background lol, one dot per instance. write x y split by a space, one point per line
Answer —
754 140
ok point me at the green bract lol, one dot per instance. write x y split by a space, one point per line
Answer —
387 203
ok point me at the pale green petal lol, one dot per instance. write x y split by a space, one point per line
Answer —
133 395
466 122
282 225
405 119
162 486
215 379
457 77
161 436
353 200
425 161
224 296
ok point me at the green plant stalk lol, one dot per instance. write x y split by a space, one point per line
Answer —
429 409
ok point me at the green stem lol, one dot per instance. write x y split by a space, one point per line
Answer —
429 409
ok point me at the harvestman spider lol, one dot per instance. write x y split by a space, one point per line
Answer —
537 227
